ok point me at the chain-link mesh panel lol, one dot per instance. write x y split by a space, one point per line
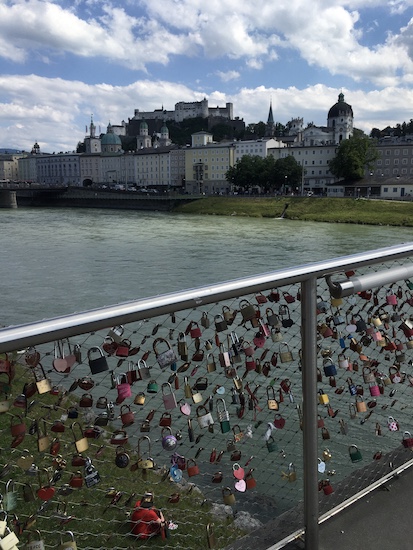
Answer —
203 408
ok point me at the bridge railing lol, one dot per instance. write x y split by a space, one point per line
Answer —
278 392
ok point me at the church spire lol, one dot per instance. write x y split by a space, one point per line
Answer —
270 129
270 115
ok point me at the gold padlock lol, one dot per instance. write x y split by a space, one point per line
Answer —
69 545
271 400
140 399
323 398
228 495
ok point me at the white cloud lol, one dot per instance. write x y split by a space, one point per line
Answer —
323 33
226 76
54 111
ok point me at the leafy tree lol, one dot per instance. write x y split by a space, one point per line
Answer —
375 133
245 172
222 131
268 173
353 156
80 147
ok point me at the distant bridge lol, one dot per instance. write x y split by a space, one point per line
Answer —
79 197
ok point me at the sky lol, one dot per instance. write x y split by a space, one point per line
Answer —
62 61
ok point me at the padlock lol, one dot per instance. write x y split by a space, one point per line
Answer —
34 543
99 363
152 386
145 461
3 522
355 454
205 320
325 434
247 310
139 398
165 358
192 468
220 323
92 476
204 417
211 365
228 496
168 396
327 488
123 388
45 491
43 441
285 356
127 416
351 387
10 496
368 375
122 458
272 318
224 357
10 541
42 382
407 440
272 402
223 415
323 398
76 480
182 346
132 373
194 330
392 424
360 404
69 545
238 434
391 298
329 367
116 333
81 443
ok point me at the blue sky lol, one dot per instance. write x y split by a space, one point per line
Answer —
61 61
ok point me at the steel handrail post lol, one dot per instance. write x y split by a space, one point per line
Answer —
309 409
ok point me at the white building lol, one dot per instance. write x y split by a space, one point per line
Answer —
256 147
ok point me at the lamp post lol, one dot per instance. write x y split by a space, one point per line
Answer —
285 184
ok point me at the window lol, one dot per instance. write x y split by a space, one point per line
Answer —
385 189
394 189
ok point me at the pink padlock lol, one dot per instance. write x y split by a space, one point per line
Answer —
123 387
391 298
374 389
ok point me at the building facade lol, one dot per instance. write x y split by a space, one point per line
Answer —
9 167
206 164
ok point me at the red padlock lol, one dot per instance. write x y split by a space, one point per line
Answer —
195 331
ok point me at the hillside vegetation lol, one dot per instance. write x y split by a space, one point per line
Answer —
323 209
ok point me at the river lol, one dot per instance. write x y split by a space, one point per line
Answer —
56 261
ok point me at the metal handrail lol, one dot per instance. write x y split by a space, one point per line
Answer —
40 332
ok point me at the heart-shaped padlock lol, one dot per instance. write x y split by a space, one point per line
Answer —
238 471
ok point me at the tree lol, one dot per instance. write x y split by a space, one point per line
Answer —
353 156
246 171
268 173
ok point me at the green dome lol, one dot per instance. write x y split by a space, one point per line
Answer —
143 125
111 139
